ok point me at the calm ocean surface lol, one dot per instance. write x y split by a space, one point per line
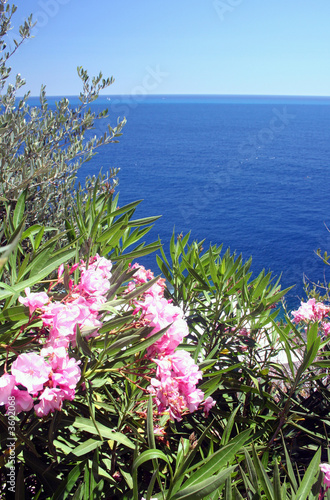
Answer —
249 172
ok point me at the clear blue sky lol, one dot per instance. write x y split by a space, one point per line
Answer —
275 47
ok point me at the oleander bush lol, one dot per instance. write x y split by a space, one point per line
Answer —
118 384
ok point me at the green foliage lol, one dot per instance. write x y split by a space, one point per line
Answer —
99 225
267 376
107 432
276 484
92 441
42 149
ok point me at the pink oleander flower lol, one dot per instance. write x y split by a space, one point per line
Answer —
175 384
58 342
168 397
194 399
7 384
325 468
208 404
62 320
94 304
142 276
305 311
60 271
50 311
171 339
326 328
73 268
310 311
102 264
244 332
23 401
93 282
33 300
88 315
321 311
160 313
55 354
67 374
50 400
65 370
159 430
31 371
179 364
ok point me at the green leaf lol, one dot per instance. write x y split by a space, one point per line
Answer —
19 209
53 264
195 275
251 470
15 313
261 285
143 222
277 482
164 269
228 490
125 208
310 477
200 490
33 230
149 455
308 359
115 323
215 462
79 493
183 451
226 433
86 424
152 481
312 334
69 481
87 446
247 483
19 487
263 477
83 345
111 232
128 478
121 343
39 262
38 238
150 425
136 254
141 346
322 363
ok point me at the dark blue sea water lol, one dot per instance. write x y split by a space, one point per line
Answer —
249 172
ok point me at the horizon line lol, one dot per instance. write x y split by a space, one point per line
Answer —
142 96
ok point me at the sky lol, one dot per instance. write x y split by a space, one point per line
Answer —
258 47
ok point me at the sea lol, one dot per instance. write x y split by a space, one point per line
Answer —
248 172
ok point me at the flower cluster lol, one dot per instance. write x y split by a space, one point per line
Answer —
44 380
50 378
177 374
175 384
325 468
312 311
